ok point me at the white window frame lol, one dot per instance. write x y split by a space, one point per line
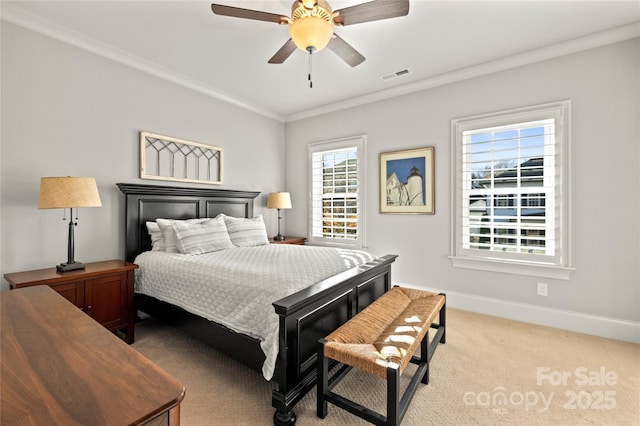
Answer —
359 143
557 266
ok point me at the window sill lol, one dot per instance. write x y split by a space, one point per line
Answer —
353 246
518 268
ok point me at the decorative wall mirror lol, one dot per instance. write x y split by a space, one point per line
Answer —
167 158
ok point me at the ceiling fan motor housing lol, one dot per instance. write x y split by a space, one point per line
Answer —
311 29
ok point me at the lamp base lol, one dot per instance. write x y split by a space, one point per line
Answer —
64 267
278 237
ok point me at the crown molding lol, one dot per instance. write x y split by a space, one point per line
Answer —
618 34
31 22
22 18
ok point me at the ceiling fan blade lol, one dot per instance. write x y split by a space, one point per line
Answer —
238 12
345 51
285 51
372 11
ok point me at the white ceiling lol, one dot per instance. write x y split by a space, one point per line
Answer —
438 42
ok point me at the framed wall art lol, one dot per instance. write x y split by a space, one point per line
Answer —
167 158
407 181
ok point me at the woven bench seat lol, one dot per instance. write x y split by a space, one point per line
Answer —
381 340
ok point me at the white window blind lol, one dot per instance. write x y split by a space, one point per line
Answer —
511 198
508 176
336 192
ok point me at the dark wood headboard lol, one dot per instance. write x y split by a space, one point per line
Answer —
150 202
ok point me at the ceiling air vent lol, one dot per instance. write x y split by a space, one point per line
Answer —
395 74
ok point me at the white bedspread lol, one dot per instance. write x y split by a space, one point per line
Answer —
236 287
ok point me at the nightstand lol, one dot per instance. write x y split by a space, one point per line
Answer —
103 290
298 241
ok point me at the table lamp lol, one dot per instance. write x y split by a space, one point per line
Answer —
69 193
279 200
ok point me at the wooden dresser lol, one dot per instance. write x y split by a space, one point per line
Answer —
103 290
60 367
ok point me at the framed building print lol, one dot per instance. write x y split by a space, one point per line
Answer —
407 181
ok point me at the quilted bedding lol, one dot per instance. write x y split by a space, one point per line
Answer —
236 287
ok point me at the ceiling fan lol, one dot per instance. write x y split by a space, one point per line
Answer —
312 21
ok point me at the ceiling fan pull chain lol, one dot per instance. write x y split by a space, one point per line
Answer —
310 50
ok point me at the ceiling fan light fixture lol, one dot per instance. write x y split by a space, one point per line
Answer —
311 31
312 21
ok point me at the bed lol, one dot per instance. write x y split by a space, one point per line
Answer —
303 317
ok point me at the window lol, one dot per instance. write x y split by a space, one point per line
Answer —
337 190
511 200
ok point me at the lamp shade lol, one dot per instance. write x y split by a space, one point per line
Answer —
279 200
68 192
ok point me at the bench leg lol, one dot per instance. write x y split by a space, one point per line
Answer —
323 380
393 395
424 357
443 319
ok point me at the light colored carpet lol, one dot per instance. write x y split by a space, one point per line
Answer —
491 371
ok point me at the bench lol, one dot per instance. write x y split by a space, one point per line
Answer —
381 340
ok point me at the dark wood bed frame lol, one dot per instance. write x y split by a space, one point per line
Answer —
305 316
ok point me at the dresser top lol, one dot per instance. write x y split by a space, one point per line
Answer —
59 366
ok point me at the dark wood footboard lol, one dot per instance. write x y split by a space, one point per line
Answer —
313 313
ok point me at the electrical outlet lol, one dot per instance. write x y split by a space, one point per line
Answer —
542 289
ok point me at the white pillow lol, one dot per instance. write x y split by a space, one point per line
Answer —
199 238
157 238
246 232
169 235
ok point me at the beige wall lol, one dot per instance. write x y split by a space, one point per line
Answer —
603 87
66 111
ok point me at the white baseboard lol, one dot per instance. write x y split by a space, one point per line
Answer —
611 328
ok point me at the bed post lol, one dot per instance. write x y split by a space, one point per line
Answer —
281 418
